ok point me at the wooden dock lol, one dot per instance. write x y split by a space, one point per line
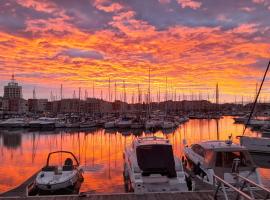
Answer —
202 195
20 192
202 191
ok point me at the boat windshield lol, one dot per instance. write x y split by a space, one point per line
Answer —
156 159
225 159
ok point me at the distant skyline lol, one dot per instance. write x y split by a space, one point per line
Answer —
194 43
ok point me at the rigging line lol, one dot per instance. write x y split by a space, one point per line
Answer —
256 99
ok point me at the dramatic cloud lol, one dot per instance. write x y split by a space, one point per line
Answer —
194 43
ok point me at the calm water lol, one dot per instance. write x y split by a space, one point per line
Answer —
23 153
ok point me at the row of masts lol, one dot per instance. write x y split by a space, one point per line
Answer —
137 95
140 96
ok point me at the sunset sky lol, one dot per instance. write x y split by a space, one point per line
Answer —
194 43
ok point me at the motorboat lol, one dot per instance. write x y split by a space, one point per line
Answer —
63 179
151 166
14 123
241 120
256 123
167 125
137 124
151 124
110 124
124 122
43 123
256 144
88 124
220 158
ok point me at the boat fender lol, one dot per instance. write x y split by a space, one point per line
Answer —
197 168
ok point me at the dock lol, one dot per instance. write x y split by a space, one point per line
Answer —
202 191
202 195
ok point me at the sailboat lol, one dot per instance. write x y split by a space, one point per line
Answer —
256 144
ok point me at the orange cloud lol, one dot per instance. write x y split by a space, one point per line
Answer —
193 58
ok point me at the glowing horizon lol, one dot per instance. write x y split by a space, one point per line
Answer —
194 43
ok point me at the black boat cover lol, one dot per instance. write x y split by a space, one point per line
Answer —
156 159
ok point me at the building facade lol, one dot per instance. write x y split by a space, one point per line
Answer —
13 90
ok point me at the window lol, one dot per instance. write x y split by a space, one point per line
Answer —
198 149
225 159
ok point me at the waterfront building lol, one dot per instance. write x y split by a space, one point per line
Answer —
13 90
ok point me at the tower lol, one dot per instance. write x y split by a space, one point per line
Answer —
13 90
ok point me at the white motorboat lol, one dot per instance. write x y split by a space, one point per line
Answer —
220 158
88 124
167 125
256 123
43 122
63 179
137 124
151 124
110 124
151 166
125 122
256 144
14 123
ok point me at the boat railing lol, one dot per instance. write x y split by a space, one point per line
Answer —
151 138
227 188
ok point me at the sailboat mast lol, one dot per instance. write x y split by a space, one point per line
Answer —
115 91
93 89
109 89
149 98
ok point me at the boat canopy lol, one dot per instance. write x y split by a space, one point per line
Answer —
156 159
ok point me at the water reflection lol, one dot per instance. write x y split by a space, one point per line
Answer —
12 140
100 151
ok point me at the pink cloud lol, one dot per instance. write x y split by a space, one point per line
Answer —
189 3
164 1
107 6
223 18
245 28
247 9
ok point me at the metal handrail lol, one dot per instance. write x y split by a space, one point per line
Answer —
232 187
253 183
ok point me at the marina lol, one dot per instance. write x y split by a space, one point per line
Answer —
100 152
134 100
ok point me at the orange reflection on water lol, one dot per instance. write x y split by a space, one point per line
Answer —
99 152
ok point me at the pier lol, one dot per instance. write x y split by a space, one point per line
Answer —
202 191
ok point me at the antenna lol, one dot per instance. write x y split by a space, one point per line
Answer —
13 78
